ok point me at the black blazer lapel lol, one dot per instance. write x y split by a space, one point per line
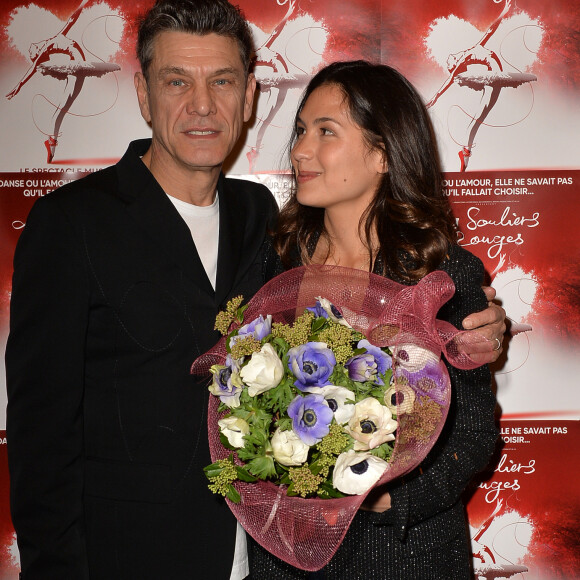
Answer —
148 204
231 239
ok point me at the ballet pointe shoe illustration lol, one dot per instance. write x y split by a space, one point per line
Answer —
50 145
252 156
464 156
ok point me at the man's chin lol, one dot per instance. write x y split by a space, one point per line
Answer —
208 165
205 159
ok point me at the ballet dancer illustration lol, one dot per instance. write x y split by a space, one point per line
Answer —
275 78
62 58
485 565
490 82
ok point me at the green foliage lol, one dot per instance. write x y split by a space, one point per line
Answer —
383 451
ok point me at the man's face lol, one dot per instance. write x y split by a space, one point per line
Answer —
196 98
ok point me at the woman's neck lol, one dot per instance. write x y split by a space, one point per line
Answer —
344 245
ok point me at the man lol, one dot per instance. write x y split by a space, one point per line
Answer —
113 298
107 426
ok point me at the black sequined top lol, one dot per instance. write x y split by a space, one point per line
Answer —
424 534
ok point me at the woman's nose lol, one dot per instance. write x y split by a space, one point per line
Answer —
302 148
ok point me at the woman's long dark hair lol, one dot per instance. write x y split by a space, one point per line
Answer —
409 212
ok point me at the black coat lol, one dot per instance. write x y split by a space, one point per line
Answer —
106 428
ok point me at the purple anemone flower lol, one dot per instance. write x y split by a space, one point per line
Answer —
311 417
226 385
318 310
362 367
430 381
311 363
259 328
382 359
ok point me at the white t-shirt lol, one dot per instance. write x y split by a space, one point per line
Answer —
241 566
204 224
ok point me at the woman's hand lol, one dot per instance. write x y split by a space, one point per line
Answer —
490 324
378 500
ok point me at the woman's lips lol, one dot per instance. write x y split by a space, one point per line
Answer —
305 176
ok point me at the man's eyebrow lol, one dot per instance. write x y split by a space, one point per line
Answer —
179 70
226 71
171 70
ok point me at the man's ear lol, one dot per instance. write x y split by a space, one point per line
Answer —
142 95
249 96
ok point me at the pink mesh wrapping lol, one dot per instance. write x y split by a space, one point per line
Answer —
307 532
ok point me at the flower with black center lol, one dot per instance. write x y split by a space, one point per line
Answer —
371 425
226 384
312 364
341 401
311 417
355 472
332 311
400 398
412 358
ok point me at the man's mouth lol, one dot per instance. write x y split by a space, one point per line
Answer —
201 132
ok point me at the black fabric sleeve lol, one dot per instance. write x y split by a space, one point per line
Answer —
470 433
44 368
271 263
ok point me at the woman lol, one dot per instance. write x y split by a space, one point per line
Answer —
368 195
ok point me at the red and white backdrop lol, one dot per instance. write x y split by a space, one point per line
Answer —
503 86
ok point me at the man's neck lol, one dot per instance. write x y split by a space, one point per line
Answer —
197 187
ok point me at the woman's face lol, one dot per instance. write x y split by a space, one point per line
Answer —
334 167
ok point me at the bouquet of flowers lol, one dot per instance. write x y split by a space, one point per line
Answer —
335 385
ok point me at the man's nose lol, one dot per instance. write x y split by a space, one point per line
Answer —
201 101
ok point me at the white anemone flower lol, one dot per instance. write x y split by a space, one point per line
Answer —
402 394
341 401
234 429
288 448
333 312
371 425
355 472
263 372
411 357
